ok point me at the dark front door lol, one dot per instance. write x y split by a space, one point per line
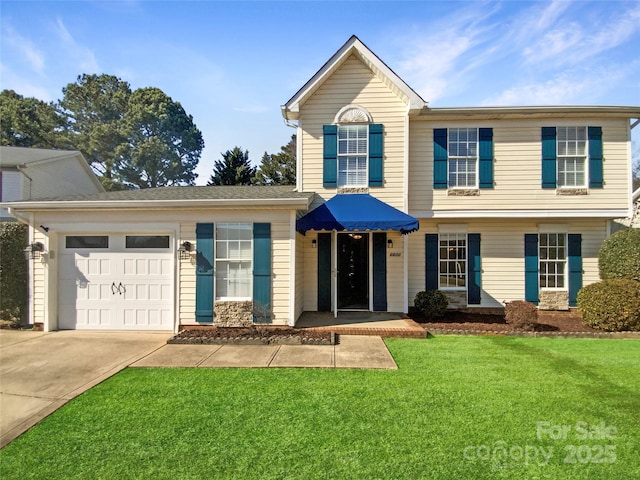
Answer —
353 271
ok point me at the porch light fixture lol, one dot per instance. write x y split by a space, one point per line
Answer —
185 250
33 250
389 243
314 243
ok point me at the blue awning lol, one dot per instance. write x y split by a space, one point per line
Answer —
357 211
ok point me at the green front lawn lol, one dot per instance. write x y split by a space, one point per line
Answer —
457 408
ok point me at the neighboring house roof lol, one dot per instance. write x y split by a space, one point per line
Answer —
291 109
200 196
23 158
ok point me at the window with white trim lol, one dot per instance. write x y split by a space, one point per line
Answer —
234 259
463 157
552 257
452 259
353 151
572 156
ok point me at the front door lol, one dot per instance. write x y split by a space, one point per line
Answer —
353 271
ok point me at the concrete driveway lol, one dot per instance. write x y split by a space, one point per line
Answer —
40 372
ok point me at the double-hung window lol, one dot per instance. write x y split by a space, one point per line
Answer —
463 157
234 254
572 156
553 260
353 151
452 259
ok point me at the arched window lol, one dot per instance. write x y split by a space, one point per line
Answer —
353 153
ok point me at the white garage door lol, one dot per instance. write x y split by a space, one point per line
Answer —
116 282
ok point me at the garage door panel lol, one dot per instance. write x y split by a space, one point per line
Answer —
94 317
116 289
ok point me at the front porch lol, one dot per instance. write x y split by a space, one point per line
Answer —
383 324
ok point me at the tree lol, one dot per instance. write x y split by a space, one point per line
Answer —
234 169
29 122
95 106
163 145
279 168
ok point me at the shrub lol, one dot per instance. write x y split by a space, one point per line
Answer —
431 303
521 314
13 271
612 305
619 255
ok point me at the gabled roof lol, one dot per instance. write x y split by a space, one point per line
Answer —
291 109
25 157
184 197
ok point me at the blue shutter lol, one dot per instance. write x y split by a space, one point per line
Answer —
549 157
324 272
575 267
485 150
375 154
204 272
531 279
596 179
262 272
431 261
474 281
440 158
330 156
380 272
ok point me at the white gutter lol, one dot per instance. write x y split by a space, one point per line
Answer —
299 203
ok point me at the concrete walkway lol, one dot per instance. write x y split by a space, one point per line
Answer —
351 352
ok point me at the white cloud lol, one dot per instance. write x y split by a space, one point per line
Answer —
24 47
573 42
23 85
575 87
461 43
80 54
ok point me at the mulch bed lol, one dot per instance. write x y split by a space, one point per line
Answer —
550 324
479 322
253 336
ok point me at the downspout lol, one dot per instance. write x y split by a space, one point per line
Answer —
630 186
293 253
21 170
288 123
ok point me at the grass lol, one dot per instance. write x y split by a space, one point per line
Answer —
458 407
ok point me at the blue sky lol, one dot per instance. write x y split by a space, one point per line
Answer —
232 64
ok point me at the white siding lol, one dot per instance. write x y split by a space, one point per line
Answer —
186 288
300 275
310 300
183 223
502 253
281 258
395 276
12 189
354 83
517 168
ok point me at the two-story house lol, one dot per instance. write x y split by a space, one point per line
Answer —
392 197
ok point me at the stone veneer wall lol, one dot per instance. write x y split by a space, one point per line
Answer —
553 300
457 299
233 314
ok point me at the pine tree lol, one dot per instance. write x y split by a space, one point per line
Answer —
234 169
278 168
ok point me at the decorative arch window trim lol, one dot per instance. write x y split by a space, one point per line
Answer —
353 114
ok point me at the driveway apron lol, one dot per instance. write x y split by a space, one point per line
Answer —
40 372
